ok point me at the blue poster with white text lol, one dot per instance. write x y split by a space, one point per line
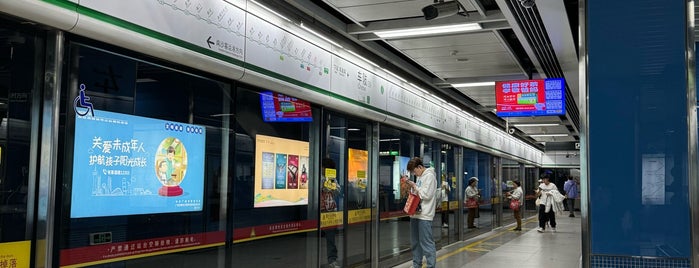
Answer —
126 165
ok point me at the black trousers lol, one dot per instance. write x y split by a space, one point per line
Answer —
544 217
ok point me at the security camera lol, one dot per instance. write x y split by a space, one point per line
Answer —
440 10
527 3
511 131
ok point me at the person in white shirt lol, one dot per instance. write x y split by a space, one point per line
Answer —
546 211
421 238
516 194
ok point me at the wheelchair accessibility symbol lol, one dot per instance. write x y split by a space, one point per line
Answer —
82 104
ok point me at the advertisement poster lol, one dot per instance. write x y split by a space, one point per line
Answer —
281 172
358 162
125 165
537 97
399 169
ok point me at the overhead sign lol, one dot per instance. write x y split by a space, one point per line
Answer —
539 97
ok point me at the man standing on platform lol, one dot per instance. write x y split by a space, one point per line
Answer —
571 189
421 238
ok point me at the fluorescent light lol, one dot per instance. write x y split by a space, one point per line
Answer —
389 139
434 30
320 36
549 135
477 84
536 125
352 129
270 10
358 56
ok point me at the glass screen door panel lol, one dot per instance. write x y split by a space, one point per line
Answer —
359 199
348 145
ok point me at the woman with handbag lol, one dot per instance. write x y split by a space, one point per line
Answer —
515 197
472 201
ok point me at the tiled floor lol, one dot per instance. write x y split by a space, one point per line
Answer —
525 249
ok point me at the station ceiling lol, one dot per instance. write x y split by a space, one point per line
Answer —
507 41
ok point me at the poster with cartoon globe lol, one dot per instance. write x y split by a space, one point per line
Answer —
126 165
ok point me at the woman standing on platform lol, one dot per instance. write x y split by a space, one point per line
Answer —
472 201
515 197
549 205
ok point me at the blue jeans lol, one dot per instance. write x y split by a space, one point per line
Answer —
330 244
422 243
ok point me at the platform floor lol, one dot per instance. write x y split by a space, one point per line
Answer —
526 249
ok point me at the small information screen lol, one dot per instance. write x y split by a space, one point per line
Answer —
278 107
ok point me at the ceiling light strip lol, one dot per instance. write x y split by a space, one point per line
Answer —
476 84
549 135
434 30
536 125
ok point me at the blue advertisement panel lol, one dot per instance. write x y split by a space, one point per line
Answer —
638 133
125 165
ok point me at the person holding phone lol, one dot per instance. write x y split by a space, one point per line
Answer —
472 194
421 239
516 194
329 191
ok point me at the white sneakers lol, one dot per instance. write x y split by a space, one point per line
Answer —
541 230
334 265
445 225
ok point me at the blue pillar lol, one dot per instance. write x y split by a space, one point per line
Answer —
639 132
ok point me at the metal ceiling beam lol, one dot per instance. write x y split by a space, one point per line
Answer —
557 26
519 33
479 7
491 16
358 23
511 52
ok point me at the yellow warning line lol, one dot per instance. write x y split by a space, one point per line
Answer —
474 246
